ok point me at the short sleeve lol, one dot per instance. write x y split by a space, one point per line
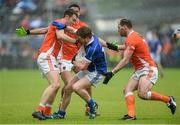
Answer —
90 53
131 44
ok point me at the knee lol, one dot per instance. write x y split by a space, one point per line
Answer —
142 94
56 85
75 88
125 90
67 89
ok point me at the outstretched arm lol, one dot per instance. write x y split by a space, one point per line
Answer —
126 57
24 32
39 31
112 46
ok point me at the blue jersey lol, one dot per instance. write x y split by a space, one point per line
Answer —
95 54
154 45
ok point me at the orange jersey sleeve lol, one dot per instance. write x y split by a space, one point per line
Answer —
69 50
141 55
51 44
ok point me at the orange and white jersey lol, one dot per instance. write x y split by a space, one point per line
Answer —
49 50
69 50
141 56
51 44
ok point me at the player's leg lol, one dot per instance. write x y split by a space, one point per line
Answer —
48 66
66 75
50 92
87 109
81 86
65 99
146 83
129 98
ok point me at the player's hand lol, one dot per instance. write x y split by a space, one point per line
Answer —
59 25
22 32
113 45
108 76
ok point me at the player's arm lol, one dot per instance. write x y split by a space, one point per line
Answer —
62 36
126 57
24 32
61 26
81 65
112 46
38 31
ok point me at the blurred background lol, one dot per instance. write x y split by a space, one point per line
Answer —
149 17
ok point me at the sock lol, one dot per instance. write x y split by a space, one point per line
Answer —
157 96
40 108
48 108
62 113
130 104
91 104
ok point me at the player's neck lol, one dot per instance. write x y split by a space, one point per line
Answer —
130 31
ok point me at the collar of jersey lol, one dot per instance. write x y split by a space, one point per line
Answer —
130 32
92 39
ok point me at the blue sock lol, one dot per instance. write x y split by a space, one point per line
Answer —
62 113
91 104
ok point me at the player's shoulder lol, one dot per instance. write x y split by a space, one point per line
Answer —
81 23
62 20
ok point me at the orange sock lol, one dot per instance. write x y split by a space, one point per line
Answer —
47 111
157 96
40 109
130 105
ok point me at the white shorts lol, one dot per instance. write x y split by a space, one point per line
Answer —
65 65
150 72
47 63
93 77
156 57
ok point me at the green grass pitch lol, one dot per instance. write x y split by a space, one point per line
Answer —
20 91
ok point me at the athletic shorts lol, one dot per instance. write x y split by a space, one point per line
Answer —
150 72
65 65
47 63
93 77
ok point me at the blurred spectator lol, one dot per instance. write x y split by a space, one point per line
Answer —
37 22
155 49
25 22
27 5
167 46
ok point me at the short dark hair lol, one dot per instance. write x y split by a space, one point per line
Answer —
70 12
126 22
84 32
74 5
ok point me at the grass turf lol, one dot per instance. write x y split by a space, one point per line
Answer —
20 91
